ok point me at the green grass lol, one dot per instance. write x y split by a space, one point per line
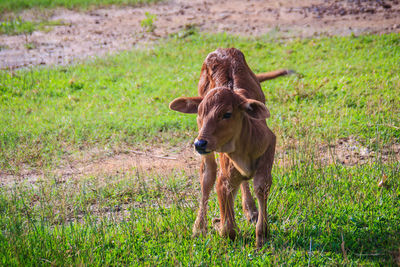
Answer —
315 214
18 5
16 26
319 214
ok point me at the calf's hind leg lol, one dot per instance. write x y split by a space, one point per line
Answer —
208 173
262 185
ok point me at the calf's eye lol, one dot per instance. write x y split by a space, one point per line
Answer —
227 115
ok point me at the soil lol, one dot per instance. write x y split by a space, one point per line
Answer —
107 30
103 163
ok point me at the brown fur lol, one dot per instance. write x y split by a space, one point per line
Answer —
244 141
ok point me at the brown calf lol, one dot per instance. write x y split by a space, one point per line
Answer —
231 121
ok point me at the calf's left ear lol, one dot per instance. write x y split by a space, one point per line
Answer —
186 104
255 109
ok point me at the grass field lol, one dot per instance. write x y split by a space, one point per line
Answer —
319 214
18 5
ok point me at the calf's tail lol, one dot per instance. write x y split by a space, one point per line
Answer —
273 74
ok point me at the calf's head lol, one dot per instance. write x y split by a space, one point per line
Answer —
221 114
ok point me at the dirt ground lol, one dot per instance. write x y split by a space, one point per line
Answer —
102 31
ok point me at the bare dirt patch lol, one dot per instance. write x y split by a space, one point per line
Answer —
344 151
106 163
102 31
349 152
150 160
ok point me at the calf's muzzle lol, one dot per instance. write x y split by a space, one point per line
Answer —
201 146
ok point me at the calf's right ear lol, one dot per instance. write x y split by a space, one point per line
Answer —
186 104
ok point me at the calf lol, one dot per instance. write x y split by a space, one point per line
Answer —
231 121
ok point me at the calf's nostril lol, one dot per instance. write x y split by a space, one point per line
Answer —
200 144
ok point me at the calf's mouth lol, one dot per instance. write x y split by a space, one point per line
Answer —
201 146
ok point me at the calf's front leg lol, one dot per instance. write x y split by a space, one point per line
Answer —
208 173
226 192
228 184
248 204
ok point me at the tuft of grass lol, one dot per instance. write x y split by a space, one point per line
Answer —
30 46
148 23
15 26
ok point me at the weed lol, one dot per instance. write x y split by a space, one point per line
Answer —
190 29
15 26
30 45
3 47
148 23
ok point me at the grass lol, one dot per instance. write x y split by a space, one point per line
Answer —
18 5
15 26
319 214
148 23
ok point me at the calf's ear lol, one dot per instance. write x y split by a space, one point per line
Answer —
255 109
186 104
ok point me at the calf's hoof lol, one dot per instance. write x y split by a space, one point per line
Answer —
199 228
199 232
260 242
262 237
252 217
216 222
224 230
